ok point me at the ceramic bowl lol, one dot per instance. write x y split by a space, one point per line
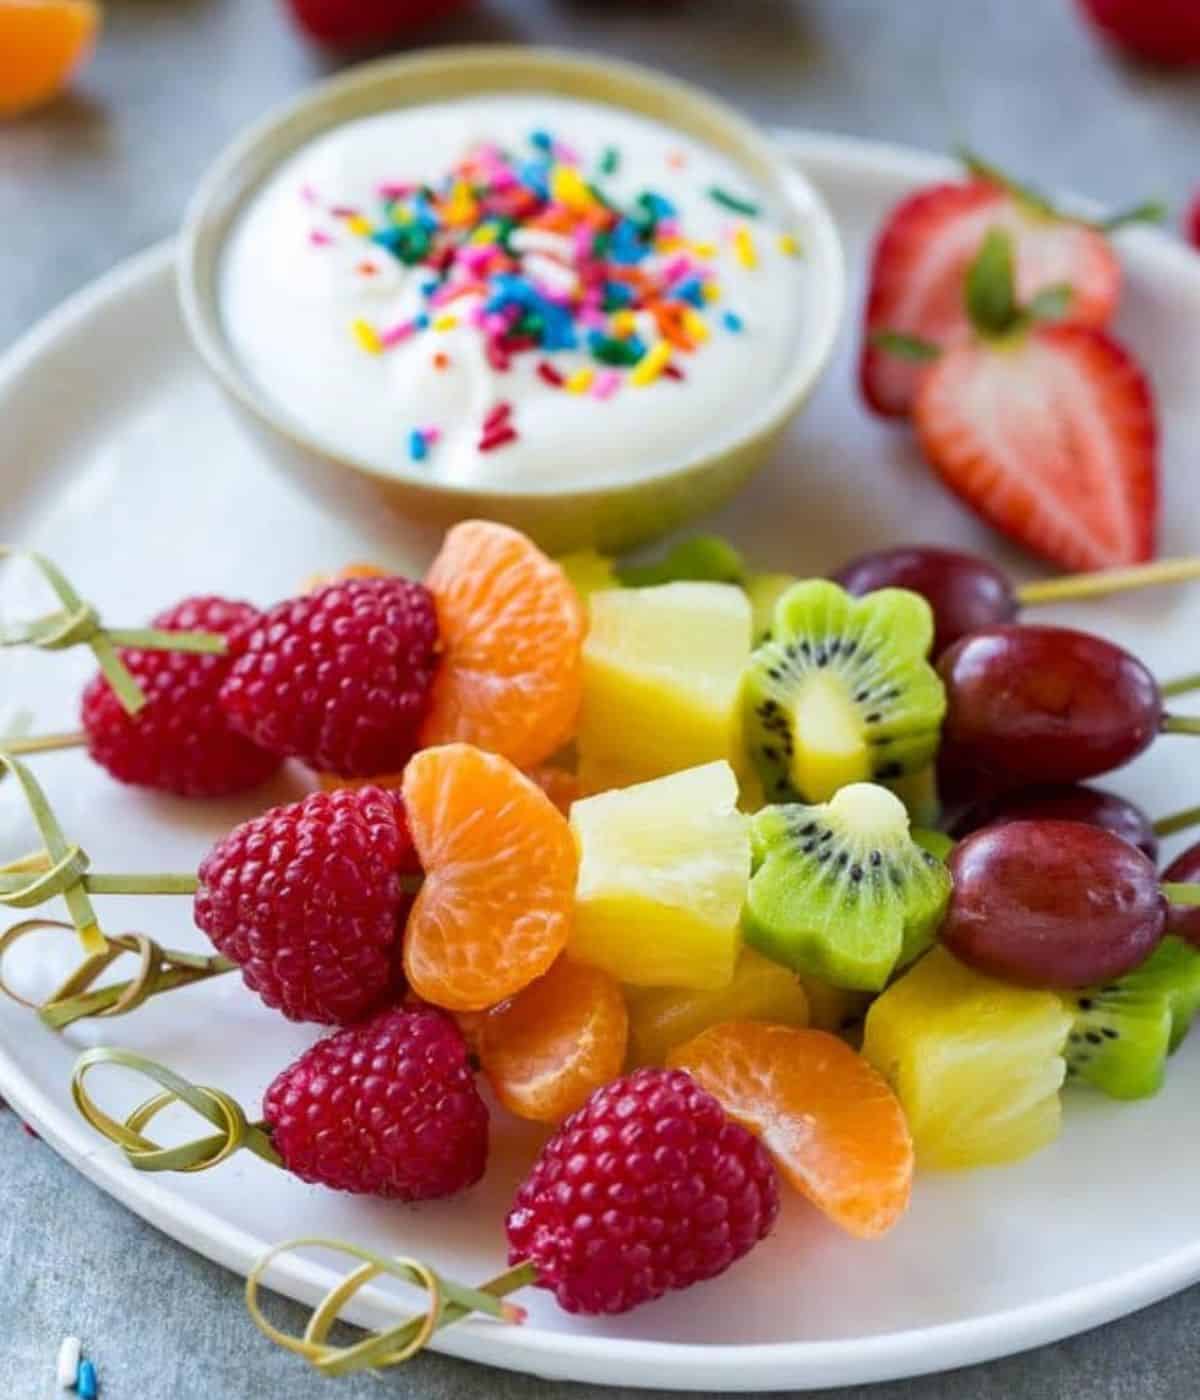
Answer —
612 516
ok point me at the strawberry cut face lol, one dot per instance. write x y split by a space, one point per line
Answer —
920 263
1050 435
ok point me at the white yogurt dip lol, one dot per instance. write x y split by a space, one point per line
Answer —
523 291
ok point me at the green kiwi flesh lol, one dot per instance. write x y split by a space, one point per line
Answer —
841 891
1124 1030
842 692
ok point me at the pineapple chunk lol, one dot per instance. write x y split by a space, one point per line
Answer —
976 1063
764 591
588 572
662 670
663 869
833 1008
662 1017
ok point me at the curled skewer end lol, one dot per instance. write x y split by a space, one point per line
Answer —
447 1302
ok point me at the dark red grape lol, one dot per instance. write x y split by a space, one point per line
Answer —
1028 706
1185 870
1052 904
965 593
1092 806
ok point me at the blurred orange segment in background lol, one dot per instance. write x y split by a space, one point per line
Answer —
42 42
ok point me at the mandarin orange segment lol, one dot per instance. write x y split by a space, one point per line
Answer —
471 1024
500 869
545 1051
512 629
830 1121
560 785
347 571
42 42
334 782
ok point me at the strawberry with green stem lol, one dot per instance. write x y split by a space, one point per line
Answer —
1045 429
931 237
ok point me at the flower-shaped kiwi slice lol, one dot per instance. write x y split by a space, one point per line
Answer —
841 692
842 891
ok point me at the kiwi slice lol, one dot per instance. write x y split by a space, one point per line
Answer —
1124 1030
698 559
842 892
843 692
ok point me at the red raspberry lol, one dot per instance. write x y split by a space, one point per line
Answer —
648 1187
340 677
307 900
388 1108
181 741
1161 31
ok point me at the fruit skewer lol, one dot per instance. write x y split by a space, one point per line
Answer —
419 1132
76 623
1030 705
967 593
312 899
351 678
1078 803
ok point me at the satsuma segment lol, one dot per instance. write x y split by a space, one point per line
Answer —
512 629
500 868
560 785
550 1047
316 581
42 42
834 1128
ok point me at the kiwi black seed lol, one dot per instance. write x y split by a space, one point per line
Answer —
1124 1030
841 692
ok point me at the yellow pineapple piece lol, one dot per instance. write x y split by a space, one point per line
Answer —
833 1008
976 1063
589 572
662 1017
663 869
662 671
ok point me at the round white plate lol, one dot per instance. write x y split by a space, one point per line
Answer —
121 462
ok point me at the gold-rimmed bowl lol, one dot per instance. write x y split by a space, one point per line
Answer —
618 513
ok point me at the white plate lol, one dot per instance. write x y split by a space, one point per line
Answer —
121 462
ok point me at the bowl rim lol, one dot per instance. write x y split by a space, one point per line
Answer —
252 157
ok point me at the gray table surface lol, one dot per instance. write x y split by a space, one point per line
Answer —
106 171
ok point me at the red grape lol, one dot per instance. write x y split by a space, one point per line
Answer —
965 593
1069 803
1052 904
1028 706
1185 870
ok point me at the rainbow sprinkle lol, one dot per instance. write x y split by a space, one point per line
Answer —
744 246
529 250
367 336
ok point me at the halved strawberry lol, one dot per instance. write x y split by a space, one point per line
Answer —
1046 430
350 23
924 249
1160 31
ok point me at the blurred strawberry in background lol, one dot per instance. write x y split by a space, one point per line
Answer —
1161 31
1192 222
42 43
348 23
